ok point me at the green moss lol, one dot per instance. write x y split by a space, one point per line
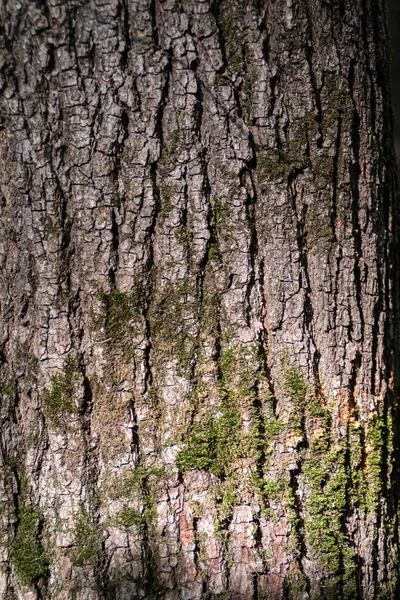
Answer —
87 541
221 79
201 539
214 252
222 211
59 400
135 480
268 490
318 227
337 101
273 428
27 554
214 444
327 481
272 166
298 392
7 393
264 430
225 497
138 489
51 225
128 516
229 17
221 596
26 550
119 318
367 455
218 441
295 583
374 462
184 235
170 330
325 477
138 486
249 83
277 164
294 382
322 166
63 298
273 489
168 190
357 490
170 149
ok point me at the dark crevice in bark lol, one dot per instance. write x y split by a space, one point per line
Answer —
335 179
263 29
264 336
336 277
253 249
375 553
308 50
135 439
354 171
349 513
355 367
273 84
216 11
299 527
150 234
196 549
87 403
72 43
308 314
375 339
153 16
123 14
198 118
119 148
149 268
212 230
114 249
369 65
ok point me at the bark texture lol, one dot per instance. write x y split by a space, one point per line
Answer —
198 304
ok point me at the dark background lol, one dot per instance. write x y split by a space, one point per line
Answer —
394 24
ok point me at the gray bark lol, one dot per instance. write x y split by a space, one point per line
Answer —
198 301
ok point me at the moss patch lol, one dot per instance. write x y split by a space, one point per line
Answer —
172 317
217 441
87 541
277 164
139 486
213 444
120 317
59 400
26 550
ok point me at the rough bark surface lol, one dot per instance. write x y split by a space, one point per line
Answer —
197 301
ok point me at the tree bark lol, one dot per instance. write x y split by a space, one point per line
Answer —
199 308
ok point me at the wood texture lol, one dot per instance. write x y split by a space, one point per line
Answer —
199 341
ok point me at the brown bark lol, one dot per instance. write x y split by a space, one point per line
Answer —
198 301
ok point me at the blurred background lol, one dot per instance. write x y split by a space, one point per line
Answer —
394 25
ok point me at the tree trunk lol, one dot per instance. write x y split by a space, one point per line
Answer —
198 301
